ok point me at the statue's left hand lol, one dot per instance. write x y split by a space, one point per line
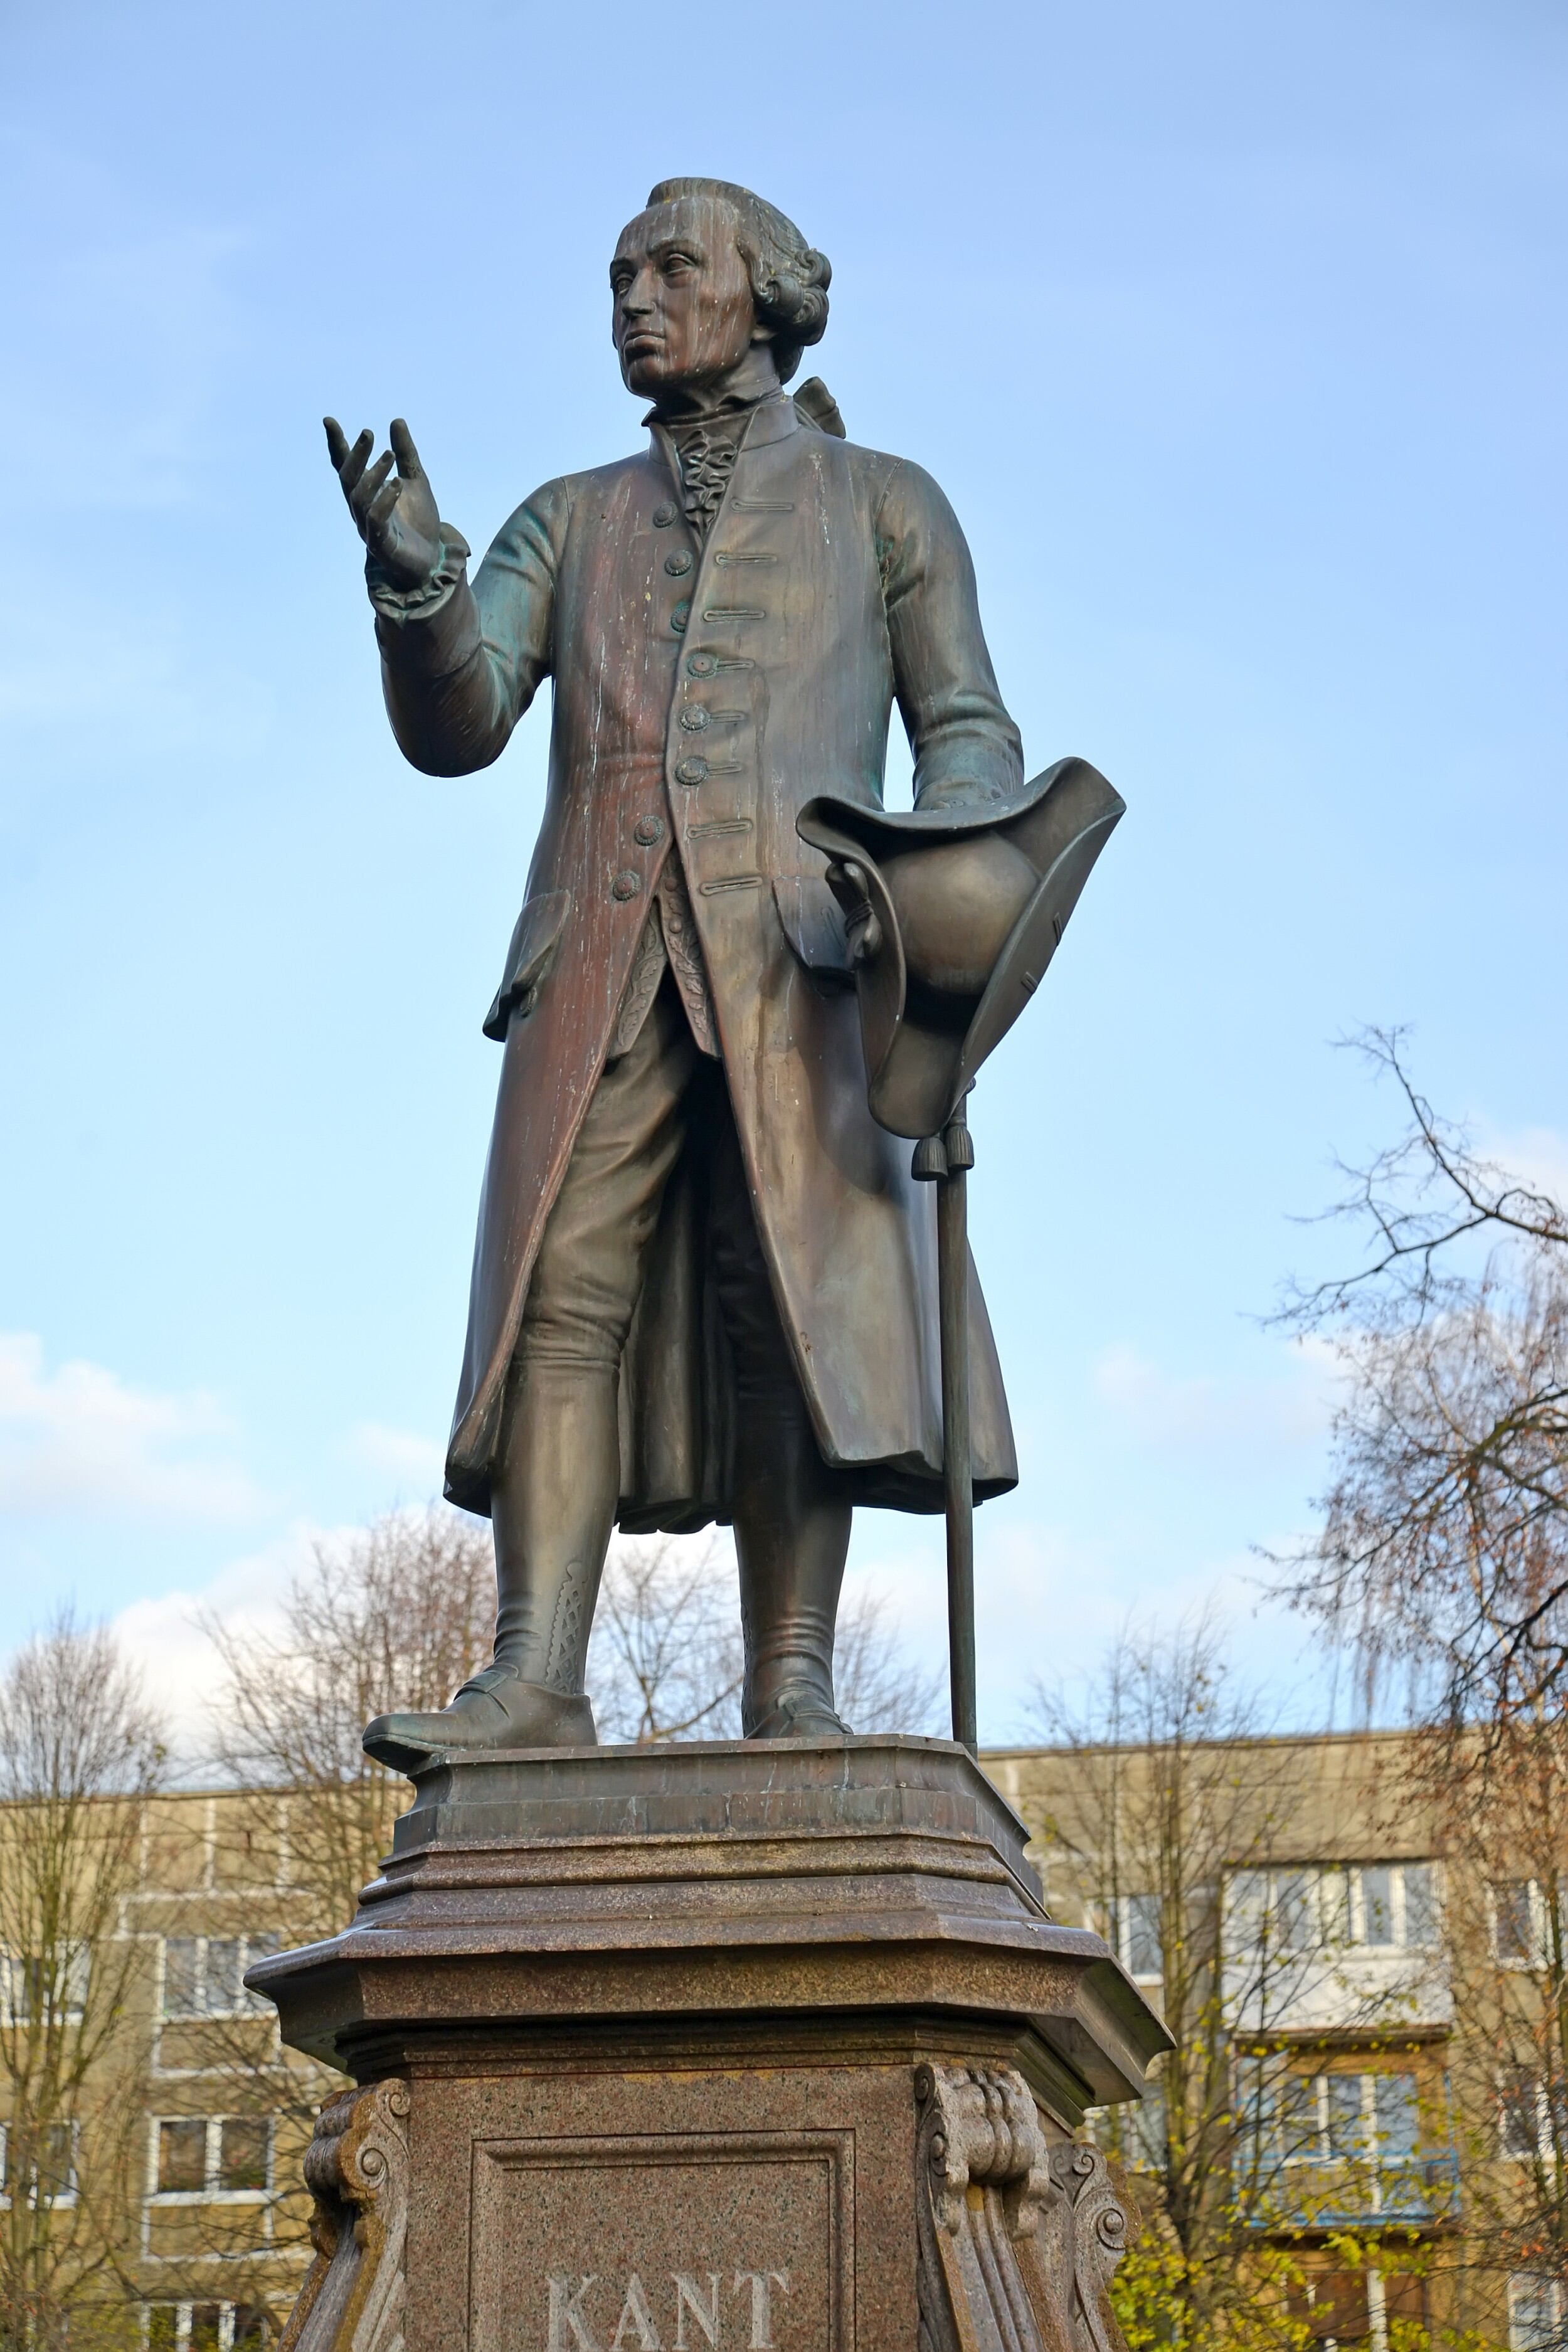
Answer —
398 520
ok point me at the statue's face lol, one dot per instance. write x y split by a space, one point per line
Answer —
684 316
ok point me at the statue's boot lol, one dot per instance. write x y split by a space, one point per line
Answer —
495 1708
792 1537
553 1504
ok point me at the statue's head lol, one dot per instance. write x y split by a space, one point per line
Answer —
706 274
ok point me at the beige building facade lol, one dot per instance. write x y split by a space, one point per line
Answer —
221 2241
1371 1980
1366 2113
175 2185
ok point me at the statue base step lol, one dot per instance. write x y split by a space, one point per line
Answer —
708 2046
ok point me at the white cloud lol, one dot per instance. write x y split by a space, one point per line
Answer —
78 1438
1162 1408
414 1464
165 1635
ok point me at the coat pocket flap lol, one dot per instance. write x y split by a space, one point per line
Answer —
814 925
533 943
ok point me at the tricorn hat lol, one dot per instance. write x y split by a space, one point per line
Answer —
952 916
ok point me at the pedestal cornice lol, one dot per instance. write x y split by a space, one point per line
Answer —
785 1896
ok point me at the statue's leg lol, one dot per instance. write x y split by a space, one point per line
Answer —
792 1522
557 1480
558 1477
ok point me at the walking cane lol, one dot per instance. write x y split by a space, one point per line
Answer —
945 1160
950 919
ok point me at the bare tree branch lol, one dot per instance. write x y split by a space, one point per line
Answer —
81 1752
667 1661
1418 1199
397 1616
1169 1798
1443 1546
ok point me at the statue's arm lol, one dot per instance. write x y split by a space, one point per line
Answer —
966 748
460 661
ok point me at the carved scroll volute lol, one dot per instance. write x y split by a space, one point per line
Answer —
356 2168
1004 2262
1098 2236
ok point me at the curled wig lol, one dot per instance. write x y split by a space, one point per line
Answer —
789 278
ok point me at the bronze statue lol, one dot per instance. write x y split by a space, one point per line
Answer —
704 1283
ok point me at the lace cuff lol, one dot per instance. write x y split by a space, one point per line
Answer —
421 603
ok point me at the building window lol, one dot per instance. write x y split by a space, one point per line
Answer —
1532 2126
1355 2307
1333 2307
197 2158
203 1975
1346 2118
44 1990
1362 1906
182 2157
41 2165
1143 2131
1536 2310
207 2327
1274 1910
244 2154
1521 1921
1134 2131
55 2166
1133 1929
1344 2147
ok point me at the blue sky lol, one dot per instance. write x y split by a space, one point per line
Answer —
1236 335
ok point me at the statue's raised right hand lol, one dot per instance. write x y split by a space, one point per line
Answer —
397 520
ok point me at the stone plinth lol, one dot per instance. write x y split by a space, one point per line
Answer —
711 2046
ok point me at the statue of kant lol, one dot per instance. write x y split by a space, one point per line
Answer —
704 1283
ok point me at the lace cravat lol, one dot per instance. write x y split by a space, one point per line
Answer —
707 448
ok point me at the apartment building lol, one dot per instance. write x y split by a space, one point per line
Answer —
180 2159
1386 2111
223 2210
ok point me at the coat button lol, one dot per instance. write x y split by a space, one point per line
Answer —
647 830
693 771
700 665
694 719
663 515
625 885
678 563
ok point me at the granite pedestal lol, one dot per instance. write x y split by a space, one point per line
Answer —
714 2048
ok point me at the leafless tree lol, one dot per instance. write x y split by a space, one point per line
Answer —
1168 1819
666 1660
1443 1546
404 1612
398 1615
1498 1789
80 1751
881 1687
1443 1553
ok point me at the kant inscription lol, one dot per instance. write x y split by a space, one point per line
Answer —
664 2242
698 2306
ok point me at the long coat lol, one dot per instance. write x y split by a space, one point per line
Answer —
702 694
